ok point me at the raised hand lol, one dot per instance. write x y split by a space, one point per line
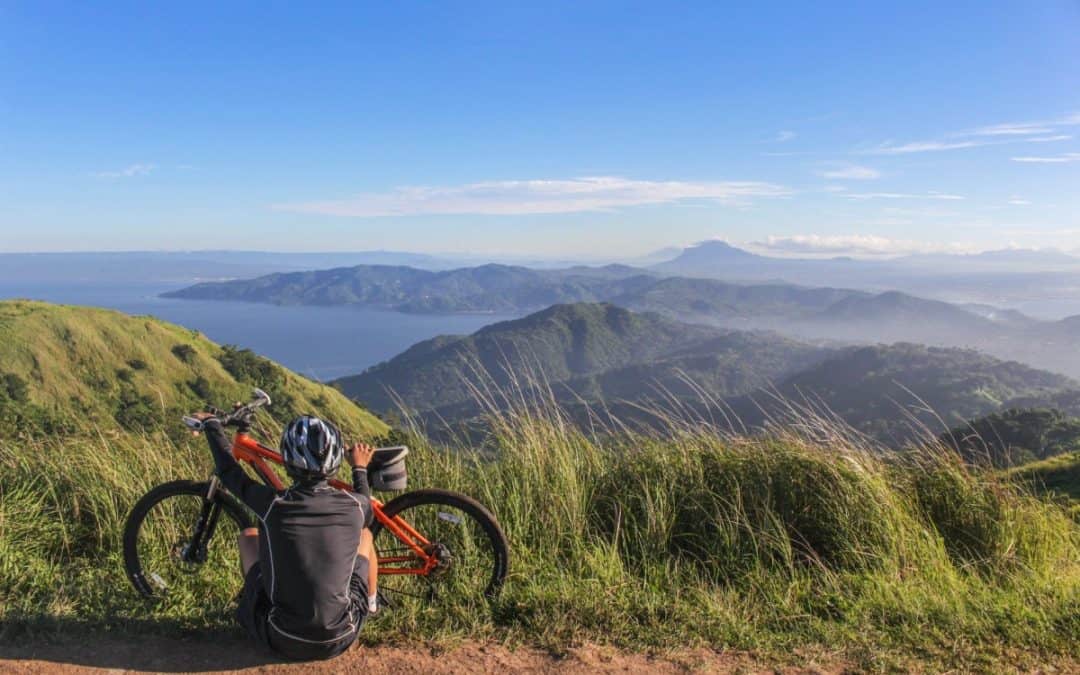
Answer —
359 455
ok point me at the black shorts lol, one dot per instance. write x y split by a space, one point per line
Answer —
253 613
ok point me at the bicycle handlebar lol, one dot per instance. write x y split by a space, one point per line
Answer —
239 415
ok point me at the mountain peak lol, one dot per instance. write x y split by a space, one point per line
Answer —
715 251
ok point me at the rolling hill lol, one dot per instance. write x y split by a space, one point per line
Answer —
892 391
589 351
1016 436
1058 476
66 369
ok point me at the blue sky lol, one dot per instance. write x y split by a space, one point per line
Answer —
558 129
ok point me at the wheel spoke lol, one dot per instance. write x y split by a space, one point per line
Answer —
179 564
470 553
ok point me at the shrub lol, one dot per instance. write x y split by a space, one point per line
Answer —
200 386
136 412
14 388
184 352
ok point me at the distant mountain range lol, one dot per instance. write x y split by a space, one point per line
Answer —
809 313
719 259
1045 280
633 363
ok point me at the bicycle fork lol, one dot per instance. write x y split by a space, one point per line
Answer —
195 551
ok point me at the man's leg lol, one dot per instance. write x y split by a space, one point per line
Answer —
249 548
367 549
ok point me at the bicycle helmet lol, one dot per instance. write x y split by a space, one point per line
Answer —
311 448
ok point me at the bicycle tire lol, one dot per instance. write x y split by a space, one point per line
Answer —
484 518
185 488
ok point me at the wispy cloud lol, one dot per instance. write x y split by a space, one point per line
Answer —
1048 139
1018 201
129 171
521 197
889 148
904 195
995 134
784 136
854 244
851 172
1063 158
1015 129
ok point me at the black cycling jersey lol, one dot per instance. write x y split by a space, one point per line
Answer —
308 542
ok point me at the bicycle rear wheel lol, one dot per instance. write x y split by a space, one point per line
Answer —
181 546
473 553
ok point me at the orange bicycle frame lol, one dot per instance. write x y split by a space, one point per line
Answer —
247 449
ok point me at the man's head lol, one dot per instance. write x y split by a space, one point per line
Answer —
311 448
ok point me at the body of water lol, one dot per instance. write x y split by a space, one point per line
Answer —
320 342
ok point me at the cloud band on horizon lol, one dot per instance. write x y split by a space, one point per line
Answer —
526 197
852 245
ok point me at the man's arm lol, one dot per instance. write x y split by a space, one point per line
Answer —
359 456
256 496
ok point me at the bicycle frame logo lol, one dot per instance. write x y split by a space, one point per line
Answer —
247 449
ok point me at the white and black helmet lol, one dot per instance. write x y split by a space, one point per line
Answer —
311 448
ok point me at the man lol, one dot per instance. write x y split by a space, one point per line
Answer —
310 571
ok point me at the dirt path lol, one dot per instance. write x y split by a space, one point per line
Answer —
178 655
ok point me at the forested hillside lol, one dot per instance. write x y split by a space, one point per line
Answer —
899 392
584 351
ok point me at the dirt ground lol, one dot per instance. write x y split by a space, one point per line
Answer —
179 655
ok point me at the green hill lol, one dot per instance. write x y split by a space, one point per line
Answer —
1016 436
870 388
1058 476
73 369
589 351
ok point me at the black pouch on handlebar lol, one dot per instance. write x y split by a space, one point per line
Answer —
386 472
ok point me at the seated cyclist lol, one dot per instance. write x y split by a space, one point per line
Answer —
309 567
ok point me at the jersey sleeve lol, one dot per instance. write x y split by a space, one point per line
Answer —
363 491
255 495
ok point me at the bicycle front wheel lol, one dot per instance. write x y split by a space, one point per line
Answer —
472 552
182 546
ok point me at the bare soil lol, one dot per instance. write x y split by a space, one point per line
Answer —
168 655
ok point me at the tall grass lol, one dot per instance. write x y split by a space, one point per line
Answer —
796 539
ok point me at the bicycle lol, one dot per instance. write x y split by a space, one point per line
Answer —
447 541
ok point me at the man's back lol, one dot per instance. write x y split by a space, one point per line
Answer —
308 556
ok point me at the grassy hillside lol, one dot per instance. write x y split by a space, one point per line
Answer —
590 351
77 369
774 545
1058 476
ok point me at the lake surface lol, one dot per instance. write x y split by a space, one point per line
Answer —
320 342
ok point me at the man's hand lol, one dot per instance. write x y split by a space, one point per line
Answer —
360 455
202 417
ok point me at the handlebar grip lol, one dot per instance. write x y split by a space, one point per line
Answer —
192 423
